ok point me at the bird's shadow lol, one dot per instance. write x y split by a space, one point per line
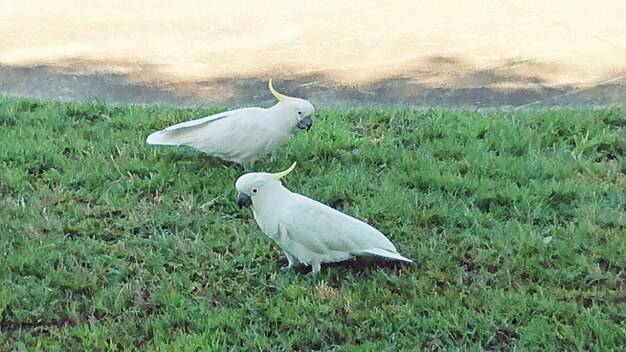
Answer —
360 267
200 161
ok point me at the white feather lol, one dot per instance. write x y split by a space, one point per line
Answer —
197 122
387 254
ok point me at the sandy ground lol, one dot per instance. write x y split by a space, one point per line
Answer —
441 53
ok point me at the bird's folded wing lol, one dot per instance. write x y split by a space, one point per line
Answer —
184 132
198 122
321 228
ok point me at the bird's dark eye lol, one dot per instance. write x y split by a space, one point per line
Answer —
254 190
299 112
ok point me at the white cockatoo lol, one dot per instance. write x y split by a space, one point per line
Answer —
308 231
243 135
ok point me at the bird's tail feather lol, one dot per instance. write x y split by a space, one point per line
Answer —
387 254
160 138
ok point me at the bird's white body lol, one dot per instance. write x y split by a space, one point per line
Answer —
308 231
241 136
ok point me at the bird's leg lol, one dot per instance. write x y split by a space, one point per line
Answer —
272 157
292 262
316 267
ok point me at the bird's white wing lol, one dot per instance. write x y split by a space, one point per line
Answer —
197 122
322 229
171 135
205 128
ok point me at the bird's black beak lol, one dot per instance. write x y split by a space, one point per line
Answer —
306 122
244 200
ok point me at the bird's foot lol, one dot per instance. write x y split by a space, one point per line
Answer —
315 268
311 275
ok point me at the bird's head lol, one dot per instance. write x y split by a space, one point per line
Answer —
301 109
257 184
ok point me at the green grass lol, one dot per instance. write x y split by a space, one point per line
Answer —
516 222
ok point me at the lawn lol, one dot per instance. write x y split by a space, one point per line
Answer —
516 222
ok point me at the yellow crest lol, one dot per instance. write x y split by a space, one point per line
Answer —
281 98
279 175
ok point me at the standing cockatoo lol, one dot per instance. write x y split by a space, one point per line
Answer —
243 135
308 231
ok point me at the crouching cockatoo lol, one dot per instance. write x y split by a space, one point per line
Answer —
243 135
308 231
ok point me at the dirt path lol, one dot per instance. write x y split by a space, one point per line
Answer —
470 53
